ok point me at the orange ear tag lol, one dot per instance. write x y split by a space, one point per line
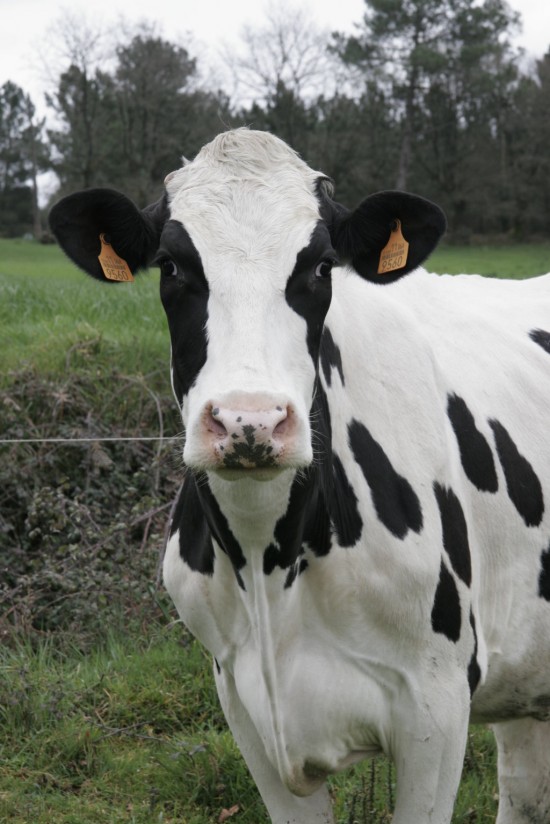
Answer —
114 268
395 253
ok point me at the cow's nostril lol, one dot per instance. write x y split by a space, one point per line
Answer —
214 424
280 429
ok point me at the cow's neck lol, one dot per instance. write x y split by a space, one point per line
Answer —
265 528
245 508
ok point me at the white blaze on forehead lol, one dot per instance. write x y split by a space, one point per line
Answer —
247 197
249 205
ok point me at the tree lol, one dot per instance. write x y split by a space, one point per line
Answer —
289 53
23 154
400 39
78 58
127 126
161 114
526 131
86 148
447 68
356 142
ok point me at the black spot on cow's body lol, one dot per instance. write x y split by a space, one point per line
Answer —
218 668
219 528
195 538
321 429
541 337
307 294
295 571
446 614
522 482
544 576
475 452
394 499
306 521
331 357
184 293
474 671
344 510
455 532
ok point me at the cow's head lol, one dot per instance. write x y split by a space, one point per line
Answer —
246 237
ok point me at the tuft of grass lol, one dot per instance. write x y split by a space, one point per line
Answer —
130 732
133 732
54 318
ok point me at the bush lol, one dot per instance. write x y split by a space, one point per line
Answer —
82 525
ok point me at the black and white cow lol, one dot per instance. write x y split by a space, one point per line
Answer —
362 540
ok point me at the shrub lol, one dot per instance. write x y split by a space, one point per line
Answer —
82 525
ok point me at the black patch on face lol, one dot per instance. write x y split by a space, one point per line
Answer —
446 615
184 294
306 293
455 532
522 483
544 577
394 499
475 452
330 357
195 539
344 511
542 338
474 671
218 668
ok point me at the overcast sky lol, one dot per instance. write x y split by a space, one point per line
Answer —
25 25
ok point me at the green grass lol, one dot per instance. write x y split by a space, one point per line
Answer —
130 733
133 732
54 317
518 261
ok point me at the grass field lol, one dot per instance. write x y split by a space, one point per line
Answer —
51 313
132 731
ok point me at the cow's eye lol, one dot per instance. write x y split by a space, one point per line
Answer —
168 268
324 268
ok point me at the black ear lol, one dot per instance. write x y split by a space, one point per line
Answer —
360 236
77 221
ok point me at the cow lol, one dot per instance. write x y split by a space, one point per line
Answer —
362 538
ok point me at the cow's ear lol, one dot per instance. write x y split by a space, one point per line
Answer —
79 220
369 238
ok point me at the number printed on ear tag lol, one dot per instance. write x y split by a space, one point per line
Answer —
395 253
114 267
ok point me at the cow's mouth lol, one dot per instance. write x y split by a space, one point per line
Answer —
238 473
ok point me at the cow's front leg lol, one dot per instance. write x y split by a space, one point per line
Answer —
428 741
282 805
523 771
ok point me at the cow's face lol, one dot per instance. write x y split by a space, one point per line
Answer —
245 265
246 238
